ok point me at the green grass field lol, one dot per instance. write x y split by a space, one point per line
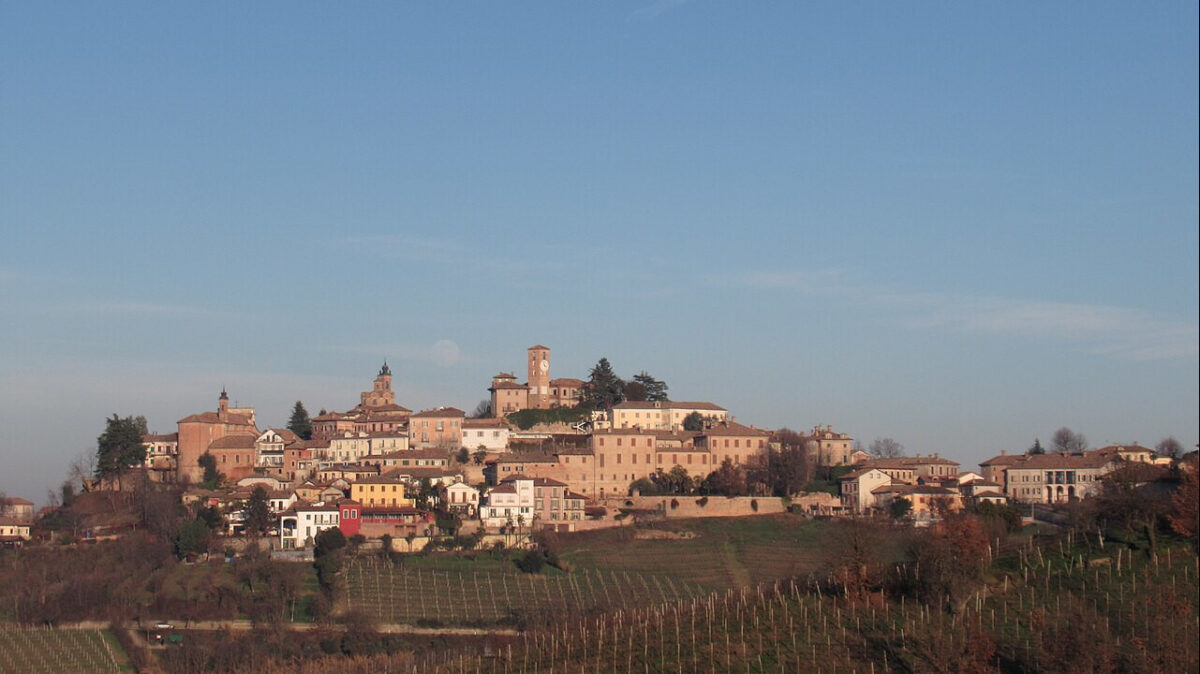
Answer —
58 651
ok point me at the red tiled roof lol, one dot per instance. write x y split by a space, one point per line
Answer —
732 428
160 437
213 418
233 442
441 412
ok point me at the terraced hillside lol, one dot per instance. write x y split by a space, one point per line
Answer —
717 553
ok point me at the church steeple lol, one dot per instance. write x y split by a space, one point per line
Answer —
385 369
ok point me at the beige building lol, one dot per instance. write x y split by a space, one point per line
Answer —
14 532
730 441
663 415
540 392
441 427
19 509
828 447
858 488
376 412
1057 478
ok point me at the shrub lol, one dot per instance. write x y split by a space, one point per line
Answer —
674 504
702 501
754 505
531 562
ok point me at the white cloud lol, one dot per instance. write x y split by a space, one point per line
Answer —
1118 332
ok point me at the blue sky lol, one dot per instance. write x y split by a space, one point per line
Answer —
960 226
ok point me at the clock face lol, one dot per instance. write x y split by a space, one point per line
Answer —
545 365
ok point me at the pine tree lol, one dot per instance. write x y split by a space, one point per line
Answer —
300 424
120 446
655 389
603 388
1037 447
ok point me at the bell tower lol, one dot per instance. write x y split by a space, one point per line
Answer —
539 377
381 394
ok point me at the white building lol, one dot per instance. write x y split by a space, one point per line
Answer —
299 526
490 434
509 503
461 498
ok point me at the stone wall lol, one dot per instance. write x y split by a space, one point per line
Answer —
700 506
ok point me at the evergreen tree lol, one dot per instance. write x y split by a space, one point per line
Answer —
300 424
1037 447
212 477
603 388
258 511
119 447
655 390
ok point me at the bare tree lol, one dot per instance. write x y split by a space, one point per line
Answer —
885 448
1169 446
1067 440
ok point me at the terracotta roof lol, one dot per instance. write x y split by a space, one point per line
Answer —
386 478
423 472
1003 460
233 442
441 412
507 385
890 464
484 423
574 495
537 481
393 510
504 375
731 428
160 437
15 500
213 418
506 488
538 346
287 436
623 431
11 522
567 381
857 474
527 458
574 451
1063 461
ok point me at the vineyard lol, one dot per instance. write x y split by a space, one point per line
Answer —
56 651
499 594
1052 610
719 554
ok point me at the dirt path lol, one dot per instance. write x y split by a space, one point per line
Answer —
246 625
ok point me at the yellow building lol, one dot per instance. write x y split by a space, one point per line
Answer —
373 492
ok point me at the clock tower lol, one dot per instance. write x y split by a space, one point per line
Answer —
539 377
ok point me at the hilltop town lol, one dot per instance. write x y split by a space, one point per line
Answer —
552 454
